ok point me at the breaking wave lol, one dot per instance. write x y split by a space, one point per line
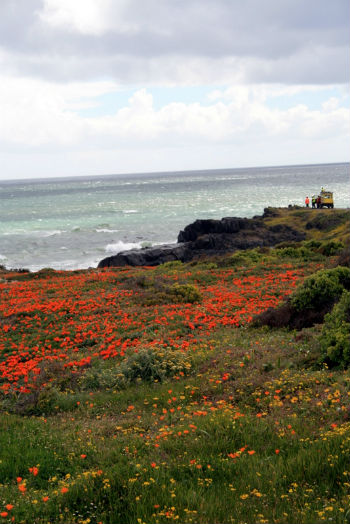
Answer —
117 247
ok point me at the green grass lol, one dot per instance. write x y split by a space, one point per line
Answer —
138 466
257 430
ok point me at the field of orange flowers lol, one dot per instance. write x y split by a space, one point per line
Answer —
144 396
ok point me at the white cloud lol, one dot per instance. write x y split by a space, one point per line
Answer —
40 115
84 16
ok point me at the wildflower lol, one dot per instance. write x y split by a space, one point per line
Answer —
22 488
64 490
251 452
9 507
3 514
277 451
45 499
83 456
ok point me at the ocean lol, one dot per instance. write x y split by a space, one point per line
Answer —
72 223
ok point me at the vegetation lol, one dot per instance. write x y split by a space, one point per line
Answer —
322 288
335 340
145 395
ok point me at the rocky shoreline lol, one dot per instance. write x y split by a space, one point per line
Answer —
205 238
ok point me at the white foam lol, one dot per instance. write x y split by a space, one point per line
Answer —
130 211
2 257
107 230
117 247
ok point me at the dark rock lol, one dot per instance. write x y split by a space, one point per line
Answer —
225 225
148 256
270 212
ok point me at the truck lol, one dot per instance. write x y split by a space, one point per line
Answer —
326 199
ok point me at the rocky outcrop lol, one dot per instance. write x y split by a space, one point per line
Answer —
147 256
208 238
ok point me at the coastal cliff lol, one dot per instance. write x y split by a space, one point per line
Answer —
211 237
206 238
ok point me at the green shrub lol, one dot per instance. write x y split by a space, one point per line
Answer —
173 264
99 377
331 248
186 293
335 337
322 288
243 258
294 252
312 244
147 365
38 402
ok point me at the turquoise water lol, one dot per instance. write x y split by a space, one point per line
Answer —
74 223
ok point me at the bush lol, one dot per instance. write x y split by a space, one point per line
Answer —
335 337
243 258
321 289
331 248
294 252
343 258
148 365
187 293
312 244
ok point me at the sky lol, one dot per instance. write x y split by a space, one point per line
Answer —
92 87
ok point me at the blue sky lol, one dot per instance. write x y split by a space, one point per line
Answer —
110 103
102 86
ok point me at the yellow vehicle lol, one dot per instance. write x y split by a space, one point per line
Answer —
326 199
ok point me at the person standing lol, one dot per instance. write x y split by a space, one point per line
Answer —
307 201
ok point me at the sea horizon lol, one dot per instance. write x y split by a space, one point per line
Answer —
74 222
164 172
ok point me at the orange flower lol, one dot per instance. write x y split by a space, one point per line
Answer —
19 479
45 499
34 470
83 456
277 451
64 489
153 464
22 488
251 452
9 507
3 514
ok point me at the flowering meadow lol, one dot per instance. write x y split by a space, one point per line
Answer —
144 395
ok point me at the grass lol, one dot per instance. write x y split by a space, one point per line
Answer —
252 429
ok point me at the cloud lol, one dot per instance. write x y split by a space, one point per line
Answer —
188 41
62 60
41 116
